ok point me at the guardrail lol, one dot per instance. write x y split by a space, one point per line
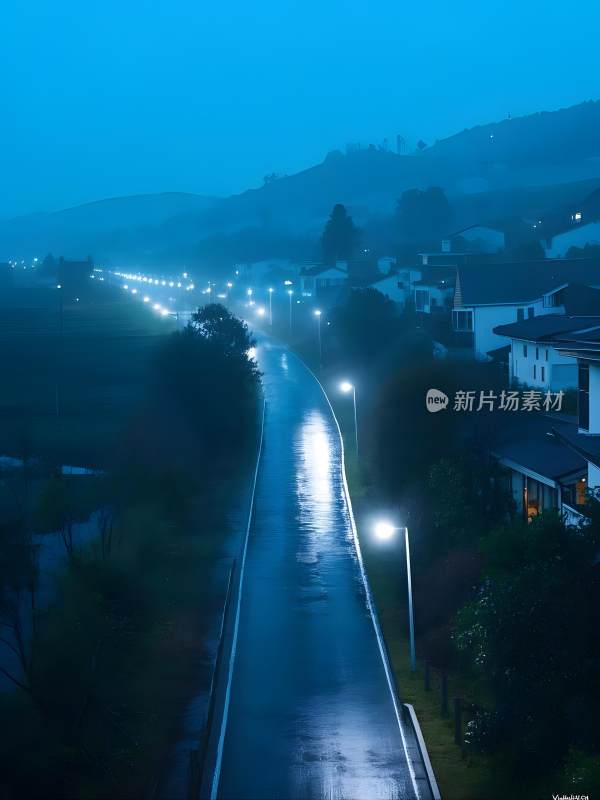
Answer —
204 782
412 716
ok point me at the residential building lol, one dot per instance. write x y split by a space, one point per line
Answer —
434 291
398 285
479 239
580 235
321 278
534 359
488 296
543 474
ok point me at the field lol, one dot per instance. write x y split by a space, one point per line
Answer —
66 396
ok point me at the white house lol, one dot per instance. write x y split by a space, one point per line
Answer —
534 358
481 238
433 293
398 286
579 235
499 294
319 278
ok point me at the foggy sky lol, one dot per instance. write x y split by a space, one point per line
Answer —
106 98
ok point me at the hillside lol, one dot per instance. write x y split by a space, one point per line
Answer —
565 136
531 165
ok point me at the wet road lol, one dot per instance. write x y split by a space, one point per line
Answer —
311 714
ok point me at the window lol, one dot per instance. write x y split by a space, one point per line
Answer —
520 314
463 320
524 351
546 354
537 353
534 370
583 396
530 312
421 299
543 373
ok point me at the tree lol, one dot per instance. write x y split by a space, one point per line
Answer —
218 326
423 216
363 328
340 238
537 606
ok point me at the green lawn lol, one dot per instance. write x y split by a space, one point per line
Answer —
98 368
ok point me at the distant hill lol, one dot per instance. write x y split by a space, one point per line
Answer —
530 165
77 231
566 136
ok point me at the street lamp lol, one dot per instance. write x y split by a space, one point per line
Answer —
290 293
270 305
385 531
346 387
58 370
318 314
260 311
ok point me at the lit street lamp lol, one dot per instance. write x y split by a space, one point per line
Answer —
270 305
318 314
346 387
385 531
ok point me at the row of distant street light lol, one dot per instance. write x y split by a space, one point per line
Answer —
145 282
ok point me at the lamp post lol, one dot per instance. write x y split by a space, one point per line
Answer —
385 531
270 305
318 314
290 293
346 387
60 347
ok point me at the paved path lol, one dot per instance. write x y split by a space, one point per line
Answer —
311 714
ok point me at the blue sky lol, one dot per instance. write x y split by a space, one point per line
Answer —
105 98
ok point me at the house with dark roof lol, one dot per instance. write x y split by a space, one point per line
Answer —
534 359
543 473
490 295
584 347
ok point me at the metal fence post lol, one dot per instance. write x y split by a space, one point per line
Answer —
444 702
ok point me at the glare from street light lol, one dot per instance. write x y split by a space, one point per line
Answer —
384 530
318 312
346 386
260 311
290 292
271 290
249 292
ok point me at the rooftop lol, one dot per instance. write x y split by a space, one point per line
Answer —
523 281
546 328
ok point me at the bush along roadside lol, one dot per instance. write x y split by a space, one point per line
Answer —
111 661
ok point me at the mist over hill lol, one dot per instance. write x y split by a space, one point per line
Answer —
526 166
